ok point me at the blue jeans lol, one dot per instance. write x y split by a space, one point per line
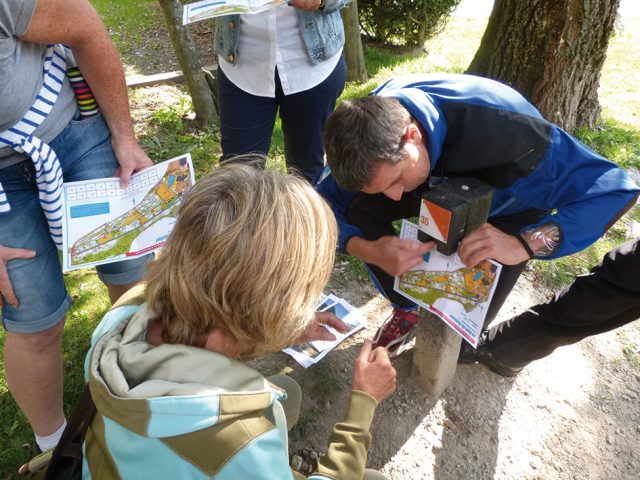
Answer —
84 150
247 121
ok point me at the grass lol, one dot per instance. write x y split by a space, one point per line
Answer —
90 303
616 141
168 131
130 22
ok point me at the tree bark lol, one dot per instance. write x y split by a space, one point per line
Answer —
353 53
551 51
202 96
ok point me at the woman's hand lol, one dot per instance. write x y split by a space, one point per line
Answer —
373 373
305 5
6 254
131 158
317 331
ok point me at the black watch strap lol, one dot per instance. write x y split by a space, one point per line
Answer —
526 246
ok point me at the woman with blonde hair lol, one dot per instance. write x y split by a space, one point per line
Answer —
240 275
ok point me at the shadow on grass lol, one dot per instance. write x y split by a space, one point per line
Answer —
380 57
140 34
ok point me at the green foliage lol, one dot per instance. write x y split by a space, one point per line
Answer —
276 152
170 132
618 142
404 22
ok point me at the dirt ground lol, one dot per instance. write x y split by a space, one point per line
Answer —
572 415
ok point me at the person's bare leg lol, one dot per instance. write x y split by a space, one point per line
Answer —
116 291
33 366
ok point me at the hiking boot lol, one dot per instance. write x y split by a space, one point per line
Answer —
397 331
468 354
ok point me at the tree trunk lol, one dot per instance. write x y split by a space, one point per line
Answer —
202 96
552 51
353 53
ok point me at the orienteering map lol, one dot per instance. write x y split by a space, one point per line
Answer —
443 285
104 223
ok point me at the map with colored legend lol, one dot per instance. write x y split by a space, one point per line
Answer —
104 223
460 296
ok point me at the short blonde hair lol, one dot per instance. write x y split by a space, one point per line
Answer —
250 254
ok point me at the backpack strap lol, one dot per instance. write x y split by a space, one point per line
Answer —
66 461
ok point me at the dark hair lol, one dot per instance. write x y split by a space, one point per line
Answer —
360 135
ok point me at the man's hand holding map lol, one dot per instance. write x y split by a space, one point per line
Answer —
444 286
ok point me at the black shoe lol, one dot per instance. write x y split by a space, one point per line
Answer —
468 354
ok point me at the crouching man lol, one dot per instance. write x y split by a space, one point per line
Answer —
553 196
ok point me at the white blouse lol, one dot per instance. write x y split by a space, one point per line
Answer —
270 39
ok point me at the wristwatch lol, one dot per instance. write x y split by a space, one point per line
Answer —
543 240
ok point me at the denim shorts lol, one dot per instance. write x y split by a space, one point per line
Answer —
84 150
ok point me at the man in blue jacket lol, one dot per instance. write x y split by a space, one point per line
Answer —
553 196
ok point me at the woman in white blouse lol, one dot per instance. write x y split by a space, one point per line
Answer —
287 58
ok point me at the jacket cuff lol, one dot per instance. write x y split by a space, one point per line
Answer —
348 445
331 6
361 408
346 233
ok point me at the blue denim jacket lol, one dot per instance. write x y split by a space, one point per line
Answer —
322 31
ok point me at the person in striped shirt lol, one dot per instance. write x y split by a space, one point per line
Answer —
49 133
